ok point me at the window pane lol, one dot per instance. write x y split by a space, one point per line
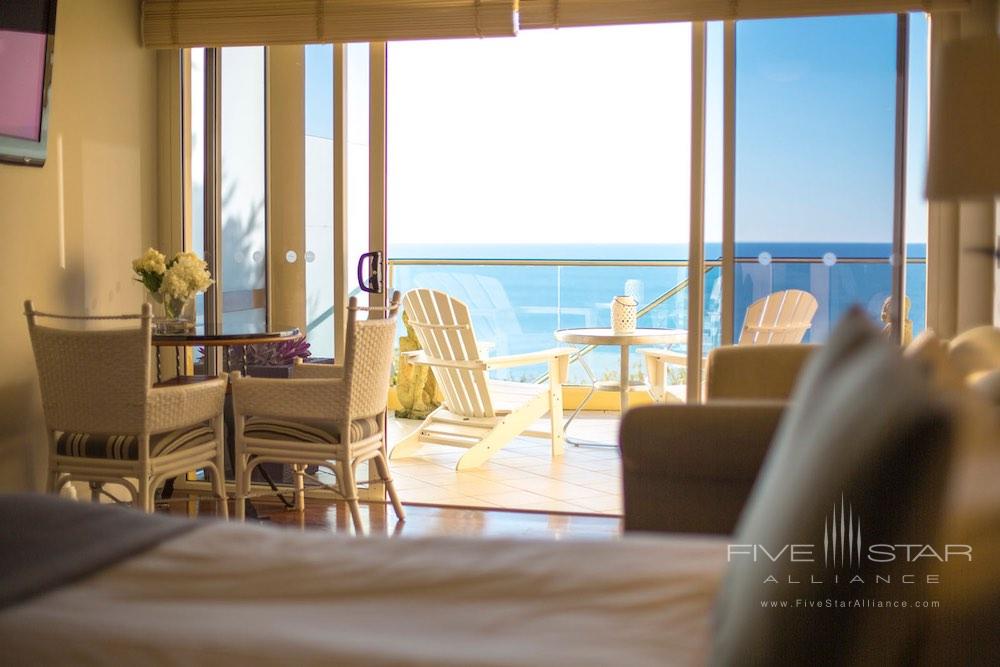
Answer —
557 145
319 198
243 186
815 113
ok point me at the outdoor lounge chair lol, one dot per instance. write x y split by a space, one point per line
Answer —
779 317
478 414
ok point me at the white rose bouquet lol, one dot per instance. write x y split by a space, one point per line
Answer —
172 283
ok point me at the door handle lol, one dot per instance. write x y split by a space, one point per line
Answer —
373 282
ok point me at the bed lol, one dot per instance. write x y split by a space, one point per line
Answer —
217 593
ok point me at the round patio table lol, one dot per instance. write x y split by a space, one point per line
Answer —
624 341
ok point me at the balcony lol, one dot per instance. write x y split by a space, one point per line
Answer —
516 306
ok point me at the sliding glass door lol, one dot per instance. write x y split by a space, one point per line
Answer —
337 221
536 178
540 176
242 258
822 180
225 158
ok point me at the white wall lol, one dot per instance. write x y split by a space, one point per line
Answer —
69 230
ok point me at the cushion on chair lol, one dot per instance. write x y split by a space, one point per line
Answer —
864 448
126 447
307 430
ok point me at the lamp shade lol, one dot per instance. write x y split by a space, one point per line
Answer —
964 158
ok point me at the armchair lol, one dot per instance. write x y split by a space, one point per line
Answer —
329 416
105 420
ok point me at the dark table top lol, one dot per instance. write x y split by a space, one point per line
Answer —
240 333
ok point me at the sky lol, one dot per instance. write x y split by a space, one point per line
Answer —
583 135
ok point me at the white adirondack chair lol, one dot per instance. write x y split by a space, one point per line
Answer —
779 317
478 414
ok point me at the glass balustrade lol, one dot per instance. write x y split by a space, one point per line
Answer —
517 304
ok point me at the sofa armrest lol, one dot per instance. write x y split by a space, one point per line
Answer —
690 468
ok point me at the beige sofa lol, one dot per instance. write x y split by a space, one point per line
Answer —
690 468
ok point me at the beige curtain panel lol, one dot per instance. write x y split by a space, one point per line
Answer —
579 13
192 23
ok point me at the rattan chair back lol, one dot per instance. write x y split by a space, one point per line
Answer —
368 358
92 380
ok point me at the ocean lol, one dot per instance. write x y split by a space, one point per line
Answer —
516 308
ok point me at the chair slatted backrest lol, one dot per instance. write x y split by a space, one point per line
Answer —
780 317
93 381
444 328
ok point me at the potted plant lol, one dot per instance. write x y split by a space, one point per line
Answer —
269 359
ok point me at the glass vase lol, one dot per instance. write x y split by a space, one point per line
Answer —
172 315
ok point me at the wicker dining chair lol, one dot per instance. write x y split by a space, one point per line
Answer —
331 416
105 420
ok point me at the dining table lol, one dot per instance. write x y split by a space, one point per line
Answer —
225 335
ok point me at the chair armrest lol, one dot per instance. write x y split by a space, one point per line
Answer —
529 358
690 468
169 408
302 371
420 358
667 357
288 399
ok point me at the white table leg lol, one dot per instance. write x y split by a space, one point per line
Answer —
623 384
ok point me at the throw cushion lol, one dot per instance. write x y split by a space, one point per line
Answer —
931 353
858 460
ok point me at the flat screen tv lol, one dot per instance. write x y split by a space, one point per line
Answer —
27 30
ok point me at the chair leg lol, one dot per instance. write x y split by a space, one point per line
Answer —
349 489
503 432
52 481
95 491
240 473
220 464
219 487
300 487
410 443
656 372
556 420
407 445
146 491
383 471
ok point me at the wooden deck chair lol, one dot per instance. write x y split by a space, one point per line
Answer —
779 317
477 414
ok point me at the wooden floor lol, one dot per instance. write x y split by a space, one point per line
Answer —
421 520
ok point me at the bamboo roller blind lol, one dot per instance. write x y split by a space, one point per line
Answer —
189 23
578 13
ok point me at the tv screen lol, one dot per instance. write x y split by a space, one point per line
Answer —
27 28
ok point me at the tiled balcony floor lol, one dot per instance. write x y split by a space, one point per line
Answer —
522 475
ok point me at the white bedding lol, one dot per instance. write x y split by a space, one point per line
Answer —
230 593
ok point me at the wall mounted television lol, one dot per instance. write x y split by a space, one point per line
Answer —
27 31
